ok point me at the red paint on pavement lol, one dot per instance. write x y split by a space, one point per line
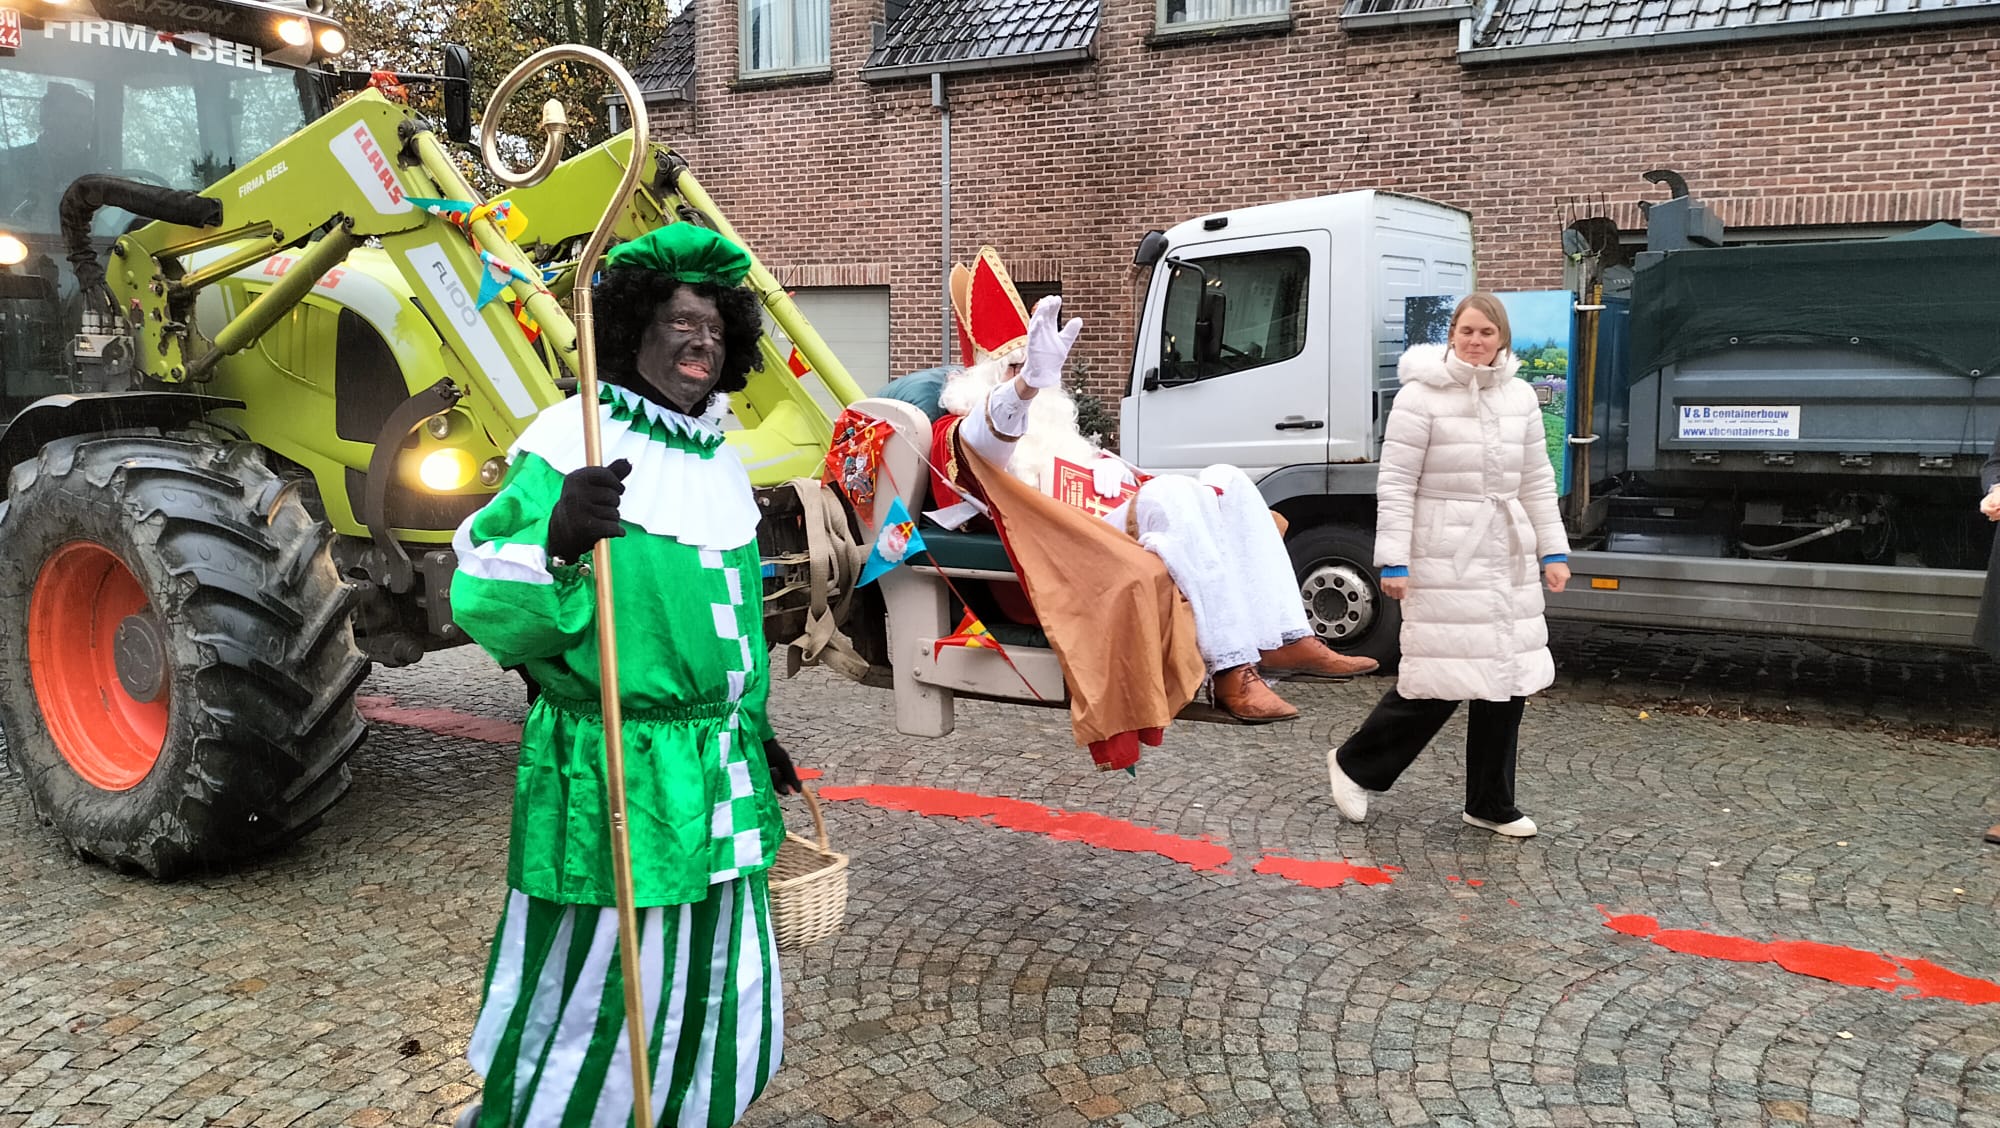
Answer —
1911 978
1834 963
444 722
1066 826
1323 875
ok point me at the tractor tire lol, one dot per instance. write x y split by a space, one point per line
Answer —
1344 601
177 657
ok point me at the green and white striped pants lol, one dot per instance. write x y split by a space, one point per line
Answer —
551 1039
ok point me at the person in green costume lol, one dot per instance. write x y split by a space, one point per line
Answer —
676 331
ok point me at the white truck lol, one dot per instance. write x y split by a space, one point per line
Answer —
1269 335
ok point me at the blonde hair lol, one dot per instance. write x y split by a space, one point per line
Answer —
1488 304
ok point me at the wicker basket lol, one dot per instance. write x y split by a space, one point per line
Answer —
808 885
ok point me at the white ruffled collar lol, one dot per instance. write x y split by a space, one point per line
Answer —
695 490
705 428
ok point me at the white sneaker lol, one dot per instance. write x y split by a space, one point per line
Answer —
1523 827
1349 796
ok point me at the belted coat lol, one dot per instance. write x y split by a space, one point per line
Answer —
1466 500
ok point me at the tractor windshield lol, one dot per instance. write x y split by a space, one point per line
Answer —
102 96
108 97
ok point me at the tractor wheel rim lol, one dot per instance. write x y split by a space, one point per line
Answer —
1340 602
82 595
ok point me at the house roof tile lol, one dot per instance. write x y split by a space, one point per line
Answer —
1553 23
960 31
666 74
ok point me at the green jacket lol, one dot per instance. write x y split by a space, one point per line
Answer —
693 667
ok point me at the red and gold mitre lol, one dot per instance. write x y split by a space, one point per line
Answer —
991 319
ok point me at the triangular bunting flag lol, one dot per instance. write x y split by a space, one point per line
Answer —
496 277
458 211
854 455
898 540
971 633
529 326
509 219
491 283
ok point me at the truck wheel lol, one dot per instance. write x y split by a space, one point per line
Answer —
177 660
1343 602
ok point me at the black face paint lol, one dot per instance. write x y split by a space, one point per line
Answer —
681 352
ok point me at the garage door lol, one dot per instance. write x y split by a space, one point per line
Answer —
854 321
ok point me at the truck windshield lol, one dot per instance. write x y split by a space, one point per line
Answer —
102 96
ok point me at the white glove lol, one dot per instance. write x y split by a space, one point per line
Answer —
1107 476
1047 348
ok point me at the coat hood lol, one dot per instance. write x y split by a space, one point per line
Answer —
1427 364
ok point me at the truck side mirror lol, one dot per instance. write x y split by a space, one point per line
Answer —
457 93
1152 248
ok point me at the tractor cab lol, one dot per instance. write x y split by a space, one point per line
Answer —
98 89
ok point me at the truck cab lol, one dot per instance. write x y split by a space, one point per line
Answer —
1268 340
1269 336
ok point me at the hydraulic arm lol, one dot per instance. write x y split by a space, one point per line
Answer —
351 177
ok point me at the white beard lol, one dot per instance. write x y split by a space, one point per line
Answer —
1052 430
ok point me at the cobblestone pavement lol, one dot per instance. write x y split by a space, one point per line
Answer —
994 977
1814 683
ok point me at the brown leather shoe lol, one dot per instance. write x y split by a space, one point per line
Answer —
1240 693
1311 659
1993 835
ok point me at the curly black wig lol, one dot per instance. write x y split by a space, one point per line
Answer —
627 297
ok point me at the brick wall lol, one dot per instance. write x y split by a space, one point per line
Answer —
1063 168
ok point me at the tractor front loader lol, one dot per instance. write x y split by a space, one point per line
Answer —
271 394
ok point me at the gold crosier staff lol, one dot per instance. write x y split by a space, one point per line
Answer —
586 370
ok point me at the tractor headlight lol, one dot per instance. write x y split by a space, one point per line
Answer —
13 252
295 33
492 471
447 470
439 425
332 40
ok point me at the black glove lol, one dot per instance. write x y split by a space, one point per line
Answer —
527 679
587 510
784 777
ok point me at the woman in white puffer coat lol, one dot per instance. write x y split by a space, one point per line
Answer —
1465 520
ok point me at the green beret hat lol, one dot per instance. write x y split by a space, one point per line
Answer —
685 252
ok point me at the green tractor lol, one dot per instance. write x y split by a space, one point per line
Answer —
249 390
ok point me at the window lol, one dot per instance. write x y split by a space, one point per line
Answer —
1233 313
163 134
1032 292
782 37
1201 13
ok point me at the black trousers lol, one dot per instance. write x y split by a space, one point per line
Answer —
1399 727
